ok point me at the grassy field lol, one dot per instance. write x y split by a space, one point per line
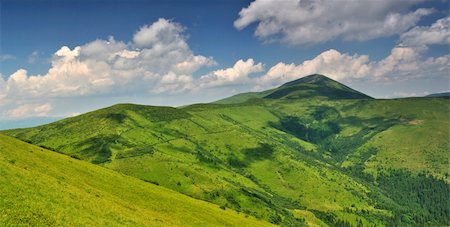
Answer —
310 152
40 188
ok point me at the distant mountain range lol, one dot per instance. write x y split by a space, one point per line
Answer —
310 152
443 94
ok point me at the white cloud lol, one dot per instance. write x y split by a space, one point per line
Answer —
437 33
106 66
331 63
161 35
238 74
407 62
174 83
403 63
316 21
157 60
28 110
2 88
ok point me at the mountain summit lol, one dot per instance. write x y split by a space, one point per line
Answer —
318 79
315 85
311 86
311 79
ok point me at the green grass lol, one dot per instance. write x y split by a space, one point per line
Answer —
40 188
418 142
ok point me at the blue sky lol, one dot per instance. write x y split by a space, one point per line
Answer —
181 52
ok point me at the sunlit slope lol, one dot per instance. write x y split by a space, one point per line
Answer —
419 140
210 152
41 188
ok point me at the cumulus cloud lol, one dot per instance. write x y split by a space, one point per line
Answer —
401 64
331 63
421 36
238 74
174 82
315 21
27 110
157 58
163 35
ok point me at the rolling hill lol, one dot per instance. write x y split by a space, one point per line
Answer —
312 151
44 188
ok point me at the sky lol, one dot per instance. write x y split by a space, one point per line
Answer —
61 58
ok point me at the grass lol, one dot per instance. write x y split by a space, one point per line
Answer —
41 187
419 142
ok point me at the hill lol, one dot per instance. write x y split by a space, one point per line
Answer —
44 188
316 153
171 147
315 85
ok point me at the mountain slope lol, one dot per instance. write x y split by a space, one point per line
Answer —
242 97
178 153
285 160
40 187
315 85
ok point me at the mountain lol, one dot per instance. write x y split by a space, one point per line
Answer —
44 188
443 94
311 152
315 85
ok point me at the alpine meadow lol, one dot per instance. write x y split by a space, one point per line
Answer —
149 132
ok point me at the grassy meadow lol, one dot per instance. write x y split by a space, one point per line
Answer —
44 188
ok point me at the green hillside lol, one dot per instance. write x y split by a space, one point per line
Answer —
312 86
315 86
41 188
242 97
312 151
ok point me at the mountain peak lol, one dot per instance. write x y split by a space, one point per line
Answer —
311 79
315 85
311 86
